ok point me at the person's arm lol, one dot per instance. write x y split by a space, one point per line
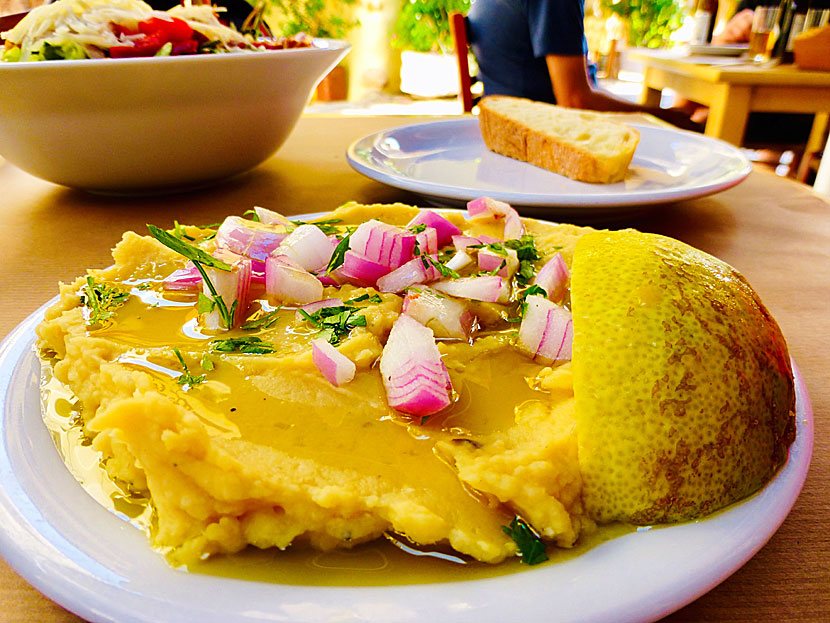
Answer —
569 76
737 29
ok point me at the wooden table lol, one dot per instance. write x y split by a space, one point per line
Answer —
774 230
732 91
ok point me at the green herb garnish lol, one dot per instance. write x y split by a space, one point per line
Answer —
324 225
417 229
339 254
374 298
178 231
207 362
445 271
248 345
101 300
254 216
531 547
334 323
186 378
525 248
200 259
262 322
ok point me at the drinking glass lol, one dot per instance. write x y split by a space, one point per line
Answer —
763 23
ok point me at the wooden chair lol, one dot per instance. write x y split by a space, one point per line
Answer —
458 28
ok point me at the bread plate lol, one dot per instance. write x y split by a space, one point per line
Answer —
98 566
447 164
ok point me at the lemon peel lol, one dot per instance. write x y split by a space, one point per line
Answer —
683 385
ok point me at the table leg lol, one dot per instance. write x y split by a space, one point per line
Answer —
650 96
814 144
728 112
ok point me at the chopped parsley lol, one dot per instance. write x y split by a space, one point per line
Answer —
445 271
531 547
186 378
247 345
525 248
334 323
327 226
254 216
101 300
339 254
207 362
530 291
374 298
178 231
264 321
200 259
419 228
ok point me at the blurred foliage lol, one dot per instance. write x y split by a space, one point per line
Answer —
329 19
649 23
424 25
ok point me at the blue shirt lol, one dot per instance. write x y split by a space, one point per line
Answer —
510 39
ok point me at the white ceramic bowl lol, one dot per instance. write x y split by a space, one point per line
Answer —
148 124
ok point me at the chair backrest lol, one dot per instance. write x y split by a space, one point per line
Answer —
458 28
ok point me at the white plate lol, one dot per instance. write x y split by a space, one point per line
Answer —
101 568
447 163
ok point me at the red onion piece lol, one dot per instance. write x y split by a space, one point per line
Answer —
486 207
360 270
269 217
233 286
334 365
546 332
428 241
187 279
553 277
444 229
461 242
489 261
490 288
458 261
385 244
445 316
308 246
310 308
411 273
248 238
413 374
288 282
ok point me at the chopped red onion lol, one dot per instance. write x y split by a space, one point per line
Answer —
187 279
445 316
490 288
334 365
411 273
461 242
233 286
546 332
384 244
288 282
444 229
553 277
505 265
269 217
359 269
485 207
249 238
428 241
308 246
458 261
413 374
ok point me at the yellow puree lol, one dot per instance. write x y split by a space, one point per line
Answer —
266 452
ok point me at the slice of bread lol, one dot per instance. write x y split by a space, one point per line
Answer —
583 145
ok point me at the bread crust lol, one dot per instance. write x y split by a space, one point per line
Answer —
506 132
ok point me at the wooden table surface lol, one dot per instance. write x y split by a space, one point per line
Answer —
777 232
733 88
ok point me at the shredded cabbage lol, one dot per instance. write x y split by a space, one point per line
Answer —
88 25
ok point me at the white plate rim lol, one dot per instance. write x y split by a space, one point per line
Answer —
50 556
554 203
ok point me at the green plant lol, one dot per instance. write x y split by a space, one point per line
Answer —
424 25
329 19
650 23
